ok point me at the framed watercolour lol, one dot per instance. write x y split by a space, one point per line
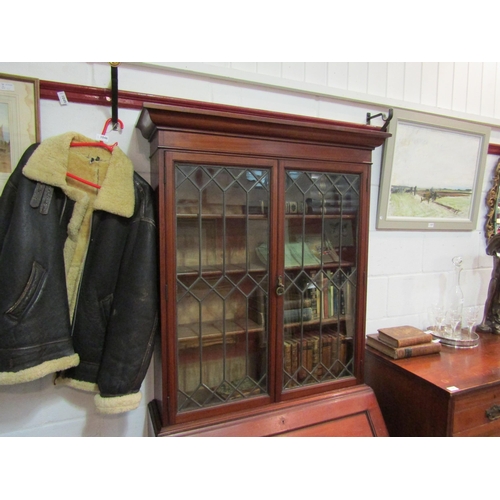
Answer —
432 173
19 120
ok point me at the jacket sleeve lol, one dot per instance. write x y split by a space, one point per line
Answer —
134 318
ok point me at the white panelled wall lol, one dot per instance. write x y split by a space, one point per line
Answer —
408 271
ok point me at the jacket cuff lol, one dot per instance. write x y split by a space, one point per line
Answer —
117 404
82 385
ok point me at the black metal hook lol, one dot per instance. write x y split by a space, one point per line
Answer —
386 118
114 94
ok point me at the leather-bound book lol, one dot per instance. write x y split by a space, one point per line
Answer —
373 340
403 336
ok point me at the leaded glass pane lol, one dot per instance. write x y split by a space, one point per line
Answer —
320 276
222 284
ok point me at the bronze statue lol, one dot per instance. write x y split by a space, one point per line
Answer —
491 315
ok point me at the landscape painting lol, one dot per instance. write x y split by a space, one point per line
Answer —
432 173
5 162
19 120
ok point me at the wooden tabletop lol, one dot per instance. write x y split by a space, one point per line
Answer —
457 368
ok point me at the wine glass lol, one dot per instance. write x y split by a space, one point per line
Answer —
439 315
455 320
471 315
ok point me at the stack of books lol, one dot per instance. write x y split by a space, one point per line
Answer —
403 342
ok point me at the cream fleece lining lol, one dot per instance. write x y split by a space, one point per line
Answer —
114 172
50 163
81 385
117 404
39 371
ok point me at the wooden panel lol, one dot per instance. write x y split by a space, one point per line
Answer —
357 425
337 75
358 77
269 68
445 85
316 73
244 122
350 412
263 148
395 80
413 82
429 83
474 90
470 412
459 92
377 78
488 85
410 406
293 71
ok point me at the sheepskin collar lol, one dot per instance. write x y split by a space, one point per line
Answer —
50 161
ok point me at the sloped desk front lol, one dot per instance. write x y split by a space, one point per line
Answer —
353 412
453 393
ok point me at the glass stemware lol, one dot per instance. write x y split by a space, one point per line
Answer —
439 316
471 315
455 321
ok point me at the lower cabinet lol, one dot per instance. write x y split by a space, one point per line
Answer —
453 393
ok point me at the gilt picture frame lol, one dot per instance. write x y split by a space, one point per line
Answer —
432 173
19 120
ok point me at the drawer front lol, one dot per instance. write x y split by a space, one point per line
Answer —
477 413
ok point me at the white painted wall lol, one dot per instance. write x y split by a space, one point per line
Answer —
407 270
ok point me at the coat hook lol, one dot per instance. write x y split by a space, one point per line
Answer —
386 118
114 93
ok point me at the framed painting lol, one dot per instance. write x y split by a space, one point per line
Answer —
19 120
432 173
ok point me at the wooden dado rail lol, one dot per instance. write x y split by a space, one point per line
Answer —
134 100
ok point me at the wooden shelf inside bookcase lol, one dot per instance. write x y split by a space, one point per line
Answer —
211 271
333 320
221 216
187 271
265 216
213 333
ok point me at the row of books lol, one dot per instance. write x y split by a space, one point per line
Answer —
329 296
400 342
324 299
314 354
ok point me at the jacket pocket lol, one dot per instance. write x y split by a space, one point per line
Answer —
30 292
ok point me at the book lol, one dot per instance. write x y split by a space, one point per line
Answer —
403 336
305 358
287 357
317 369
301 253
297 315
321 248
373 340
296 303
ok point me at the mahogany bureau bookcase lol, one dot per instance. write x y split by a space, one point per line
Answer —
453 393
263 224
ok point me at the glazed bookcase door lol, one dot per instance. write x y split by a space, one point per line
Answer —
320 277
222 283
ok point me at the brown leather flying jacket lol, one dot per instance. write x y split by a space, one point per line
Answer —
78 272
